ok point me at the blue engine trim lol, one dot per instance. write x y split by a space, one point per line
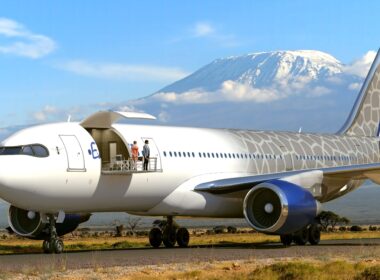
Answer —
279 207
302 206
70 223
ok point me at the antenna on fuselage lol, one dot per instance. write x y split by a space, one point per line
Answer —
69 118
300 130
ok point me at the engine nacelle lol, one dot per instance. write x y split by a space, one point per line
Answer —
30 224
279 207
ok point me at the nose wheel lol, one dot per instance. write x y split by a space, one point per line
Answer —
169 233
53 244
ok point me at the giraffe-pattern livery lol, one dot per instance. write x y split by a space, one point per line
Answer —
275 152
365 116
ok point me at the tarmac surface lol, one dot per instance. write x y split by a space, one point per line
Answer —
357 248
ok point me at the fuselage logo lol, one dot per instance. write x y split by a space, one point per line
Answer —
94 151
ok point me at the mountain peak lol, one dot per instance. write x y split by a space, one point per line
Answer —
261 69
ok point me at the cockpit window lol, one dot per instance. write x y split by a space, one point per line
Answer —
35 150
10 150
40 151
27 150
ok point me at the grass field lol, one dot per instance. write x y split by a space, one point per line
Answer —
12 244
254 269
347 267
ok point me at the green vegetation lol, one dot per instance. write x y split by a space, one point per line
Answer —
329 219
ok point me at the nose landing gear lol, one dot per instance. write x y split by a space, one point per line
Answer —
169 233
53 244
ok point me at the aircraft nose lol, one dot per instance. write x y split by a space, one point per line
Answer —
11 177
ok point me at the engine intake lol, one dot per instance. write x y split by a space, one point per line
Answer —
30 224
279 207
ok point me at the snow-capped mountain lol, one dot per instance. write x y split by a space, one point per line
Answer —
281 90
261 70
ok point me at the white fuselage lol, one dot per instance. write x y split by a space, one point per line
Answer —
72 177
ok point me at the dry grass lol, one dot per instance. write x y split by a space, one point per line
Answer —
15 244
281 269
364 265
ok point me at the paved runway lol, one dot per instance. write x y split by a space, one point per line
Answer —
360 248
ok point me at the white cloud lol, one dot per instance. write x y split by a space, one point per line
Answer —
22 42
45 114
203 29
232 91
163 117
237 92
128 108
207 31
354 86
229 91
361 66
318 91
123 71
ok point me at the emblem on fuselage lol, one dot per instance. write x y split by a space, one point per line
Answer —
94 151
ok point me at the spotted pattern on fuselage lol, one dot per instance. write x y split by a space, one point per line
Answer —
292 146
295 147
366 122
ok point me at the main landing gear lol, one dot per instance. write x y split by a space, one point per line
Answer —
169 233
311 234
52 244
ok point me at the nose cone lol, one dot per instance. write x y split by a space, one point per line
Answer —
15 176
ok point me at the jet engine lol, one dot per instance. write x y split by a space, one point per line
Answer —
30 224
279 207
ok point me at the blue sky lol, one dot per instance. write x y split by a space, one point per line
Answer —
77 57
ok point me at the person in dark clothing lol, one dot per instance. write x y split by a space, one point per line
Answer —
146 154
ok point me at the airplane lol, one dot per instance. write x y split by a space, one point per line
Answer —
55 175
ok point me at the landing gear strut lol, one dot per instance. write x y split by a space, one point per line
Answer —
311 234
53 244
169 233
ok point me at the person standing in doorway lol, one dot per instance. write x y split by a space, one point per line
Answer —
135 154
146 154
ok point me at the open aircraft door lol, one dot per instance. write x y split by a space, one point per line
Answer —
155 159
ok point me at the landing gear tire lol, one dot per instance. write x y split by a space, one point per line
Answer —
301 237
183 237
53 244
155 237
169 237
314 234
58 246
46 246
286 239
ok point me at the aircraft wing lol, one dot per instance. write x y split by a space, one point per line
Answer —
341 173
